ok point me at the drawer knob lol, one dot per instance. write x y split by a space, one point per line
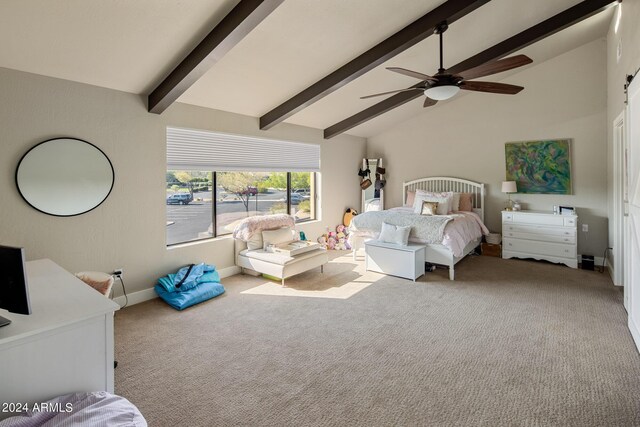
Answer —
566 240
510 244
566 250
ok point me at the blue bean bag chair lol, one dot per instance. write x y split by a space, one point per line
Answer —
191 285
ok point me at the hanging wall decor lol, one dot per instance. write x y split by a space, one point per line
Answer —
540 167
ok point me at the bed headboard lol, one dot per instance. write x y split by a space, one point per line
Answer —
445 183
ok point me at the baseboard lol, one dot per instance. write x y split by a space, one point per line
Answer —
149 294
634 333
136 297
612 273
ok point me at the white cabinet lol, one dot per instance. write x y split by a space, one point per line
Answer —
540 235
395 260
64 346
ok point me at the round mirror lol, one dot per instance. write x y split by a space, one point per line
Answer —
64 177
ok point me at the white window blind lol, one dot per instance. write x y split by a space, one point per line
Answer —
189 149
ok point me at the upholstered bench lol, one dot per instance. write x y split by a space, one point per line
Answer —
277 265
253 234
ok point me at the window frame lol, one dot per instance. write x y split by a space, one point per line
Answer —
214 189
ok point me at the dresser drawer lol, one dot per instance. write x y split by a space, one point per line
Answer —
539 248
555 238
538 229
542 219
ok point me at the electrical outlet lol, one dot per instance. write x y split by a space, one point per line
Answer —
118 272
585 228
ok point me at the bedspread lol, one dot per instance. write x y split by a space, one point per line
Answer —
460 228
429 229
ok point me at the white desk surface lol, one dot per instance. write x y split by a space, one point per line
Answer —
58 298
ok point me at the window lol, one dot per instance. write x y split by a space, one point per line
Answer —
215 180
192 215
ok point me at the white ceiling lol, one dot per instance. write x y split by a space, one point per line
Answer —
131 45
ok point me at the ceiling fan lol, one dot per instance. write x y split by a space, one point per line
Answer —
443 86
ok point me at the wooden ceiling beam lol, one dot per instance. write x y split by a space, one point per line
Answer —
234 27
513 44
413 33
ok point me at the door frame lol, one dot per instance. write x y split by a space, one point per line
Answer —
616 269
632 247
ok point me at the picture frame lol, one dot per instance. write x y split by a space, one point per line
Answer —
539 167
567 210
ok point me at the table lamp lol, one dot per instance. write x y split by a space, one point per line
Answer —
509 187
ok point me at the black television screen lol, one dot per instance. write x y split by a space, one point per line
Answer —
14 293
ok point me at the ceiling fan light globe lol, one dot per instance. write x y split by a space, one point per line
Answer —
442 92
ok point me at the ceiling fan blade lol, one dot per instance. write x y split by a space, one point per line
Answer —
410 73
392 91
496 67
491 87
428 102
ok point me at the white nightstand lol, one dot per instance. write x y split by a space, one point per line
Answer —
540 235
396 260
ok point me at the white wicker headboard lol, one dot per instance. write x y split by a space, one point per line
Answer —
445 183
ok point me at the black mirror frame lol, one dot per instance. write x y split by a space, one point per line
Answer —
113 176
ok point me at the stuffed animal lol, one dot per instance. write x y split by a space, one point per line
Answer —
348 216
331 243
341 245
340 229
341 235
323 241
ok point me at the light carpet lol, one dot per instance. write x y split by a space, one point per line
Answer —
510 342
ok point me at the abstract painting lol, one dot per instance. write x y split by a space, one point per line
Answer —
542 167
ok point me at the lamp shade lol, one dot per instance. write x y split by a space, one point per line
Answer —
509 187
442 92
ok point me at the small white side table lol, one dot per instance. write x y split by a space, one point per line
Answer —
395 260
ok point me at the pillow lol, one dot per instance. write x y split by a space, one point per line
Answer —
101 282
394 234
455 202
443 200
411 196
429 208
275 237
255 242
465 202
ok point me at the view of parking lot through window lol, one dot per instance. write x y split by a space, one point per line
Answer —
237 195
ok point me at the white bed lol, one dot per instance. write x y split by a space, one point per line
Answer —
439 253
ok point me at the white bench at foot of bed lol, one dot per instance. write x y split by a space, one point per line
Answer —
434 254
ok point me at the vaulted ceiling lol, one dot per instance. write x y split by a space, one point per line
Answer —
132 45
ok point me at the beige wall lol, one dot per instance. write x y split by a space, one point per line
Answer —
564 97
128 229
629 34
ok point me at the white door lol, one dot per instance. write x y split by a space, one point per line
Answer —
632 256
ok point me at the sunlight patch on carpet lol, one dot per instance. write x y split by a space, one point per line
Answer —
342 279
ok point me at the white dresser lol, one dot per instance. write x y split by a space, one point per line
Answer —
64 346
540 235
